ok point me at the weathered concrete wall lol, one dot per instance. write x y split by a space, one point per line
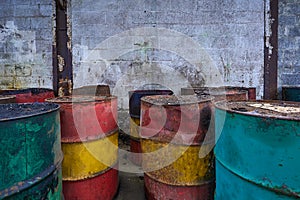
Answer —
289 42
25 43
230 32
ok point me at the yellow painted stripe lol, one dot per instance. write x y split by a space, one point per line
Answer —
84 160
177 164
134 127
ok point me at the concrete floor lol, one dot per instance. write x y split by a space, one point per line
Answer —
131 177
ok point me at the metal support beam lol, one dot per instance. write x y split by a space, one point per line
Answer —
271 49
62 57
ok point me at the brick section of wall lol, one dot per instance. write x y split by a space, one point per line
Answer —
26 43
289 42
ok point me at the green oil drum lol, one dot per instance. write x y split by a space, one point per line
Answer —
291 93
30 148
257 151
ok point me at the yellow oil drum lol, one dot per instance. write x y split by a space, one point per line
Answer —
84 160
135 143
174 130
185 168
90 146
134 125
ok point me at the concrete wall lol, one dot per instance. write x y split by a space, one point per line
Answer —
289 42
174 43
25 43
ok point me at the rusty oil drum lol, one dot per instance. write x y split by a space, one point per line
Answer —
173 136
221 93
291 93
257 154
134 112
7 99
90 146
31 151
29 95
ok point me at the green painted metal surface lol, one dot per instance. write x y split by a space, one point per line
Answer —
48 186
257 157
291 93
30 147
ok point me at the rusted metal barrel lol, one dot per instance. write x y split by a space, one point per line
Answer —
173 130
134 111
7 99
90 146
31 153
257 153
92 90
221 93
29 95
291 93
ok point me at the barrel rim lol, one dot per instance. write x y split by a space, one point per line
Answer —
77 99
207 98
146 91
218 105
56 108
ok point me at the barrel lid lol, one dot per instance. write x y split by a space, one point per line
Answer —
80 99
172 100
24 110
263 108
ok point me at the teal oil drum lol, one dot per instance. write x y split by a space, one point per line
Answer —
257 151
30 148
291 93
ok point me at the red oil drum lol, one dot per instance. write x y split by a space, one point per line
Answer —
102 186
90 146
173 130
30 95
134 111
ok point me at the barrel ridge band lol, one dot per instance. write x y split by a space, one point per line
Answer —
23 185
90 139
199 184
92 175
278 190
